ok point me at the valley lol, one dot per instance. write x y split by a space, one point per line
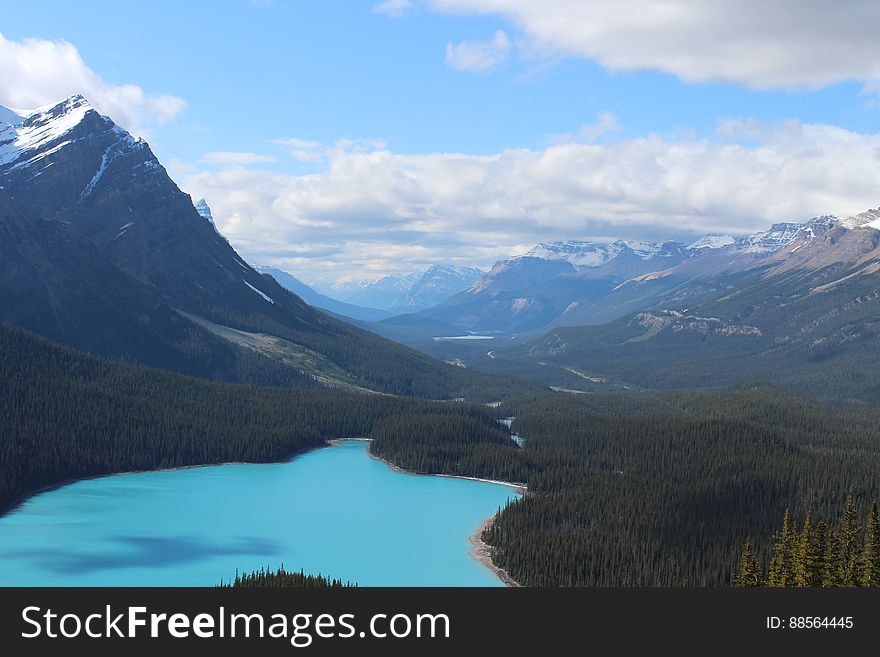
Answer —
668 398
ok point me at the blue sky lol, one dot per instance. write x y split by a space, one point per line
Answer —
463 77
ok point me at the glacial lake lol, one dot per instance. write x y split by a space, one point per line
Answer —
334 511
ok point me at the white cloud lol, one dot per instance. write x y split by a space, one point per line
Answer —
382 212
36 72
236 158
303 150
392 7
479 56
605 124
782 44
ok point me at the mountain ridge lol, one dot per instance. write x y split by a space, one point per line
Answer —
68 164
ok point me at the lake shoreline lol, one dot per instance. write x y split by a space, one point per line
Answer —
67 482
481 551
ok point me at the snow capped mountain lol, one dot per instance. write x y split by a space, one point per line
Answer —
202 208
767 241
585 255
867 219
712 241
41 132
405 294
10 117
781 235
649 250
438 284
103 251
578 253
384 293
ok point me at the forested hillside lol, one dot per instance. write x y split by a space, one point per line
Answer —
812 331
654 488
67 415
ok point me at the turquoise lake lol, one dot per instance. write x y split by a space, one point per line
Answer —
333 511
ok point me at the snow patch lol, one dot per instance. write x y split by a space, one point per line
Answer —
105 160
712 241
40 127
262 294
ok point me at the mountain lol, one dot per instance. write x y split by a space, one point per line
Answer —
405 294
117 260
436 285
384 293
531 291
804 316
712 241
778 236
574 282
204 211
869 219
318 300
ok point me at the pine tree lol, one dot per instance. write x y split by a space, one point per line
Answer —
848 535
782 564
831 571
749 571
820 552
870 575
804 555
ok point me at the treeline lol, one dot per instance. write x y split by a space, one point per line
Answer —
818 553
66 415
653 489
429 443
284 579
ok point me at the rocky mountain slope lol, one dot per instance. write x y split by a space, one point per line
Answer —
111 256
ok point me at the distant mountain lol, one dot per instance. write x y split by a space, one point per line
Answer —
806 315
105 253
318 300
578 282
712 241
436 285
405 294
202 208
528 292
385 293
868 219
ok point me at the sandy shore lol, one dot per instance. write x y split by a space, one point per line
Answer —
482 552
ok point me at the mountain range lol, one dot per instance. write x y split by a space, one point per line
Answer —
102 251
803 314
575 283
404 294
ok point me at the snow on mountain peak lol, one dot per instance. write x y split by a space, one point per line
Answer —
712 241
202 208
583 254
578 253
867 219
39 128
10 116
767 241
